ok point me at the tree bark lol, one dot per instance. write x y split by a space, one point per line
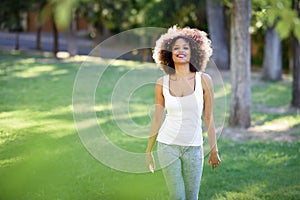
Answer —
18 29
240 107
217 33
296 74
272 62
291 57
39 25
71 40
38 37
99 33
296 65
17 45
55 36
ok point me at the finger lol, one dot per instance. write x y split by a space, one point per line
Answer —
151 168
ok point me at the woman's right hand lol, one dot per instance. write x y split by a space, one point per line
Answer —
150 164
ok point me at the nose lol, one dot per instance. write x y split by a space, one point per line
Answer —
181 50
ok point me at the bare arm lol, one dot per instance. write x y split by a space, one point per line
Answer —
156 122
208 119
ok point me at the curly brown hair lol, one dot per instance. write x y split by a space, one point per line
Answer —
199 43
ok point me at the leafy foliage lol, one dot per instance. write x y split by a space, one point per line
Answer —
116 16
10 13
165 13
277 13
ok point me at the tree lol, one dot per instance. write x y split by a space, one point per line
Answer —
283 16
10 16
169 12
296 62
240 108
71 40
38 6
217 33
276 18
272 62
60 13
55 35
108 16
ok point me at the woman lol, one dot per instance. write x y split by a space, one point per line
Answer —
184 92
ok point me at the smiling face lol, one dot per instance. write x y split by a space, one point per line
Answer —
181 51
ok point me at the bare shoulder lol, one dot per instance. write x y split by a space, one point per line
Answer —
206 81
159 97
206 77
159 85
160 81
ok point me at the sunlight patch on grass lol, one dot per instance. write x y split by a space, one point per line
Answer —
278 124
30 121
10 161
133 64
138 110
6 136
17 120
34 71
59 72
102 107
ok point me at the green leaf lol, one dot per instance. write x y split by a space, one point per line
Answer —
297 28
283 29
272 15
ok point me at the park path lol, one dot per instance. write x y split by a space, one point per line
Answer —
27 43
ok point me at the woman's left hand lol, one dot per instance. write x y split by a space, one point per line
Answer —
214 159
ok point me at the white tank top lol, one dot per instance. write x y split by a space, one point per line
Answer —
183 123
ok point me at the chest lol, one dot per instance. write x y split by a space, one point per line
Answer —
181 88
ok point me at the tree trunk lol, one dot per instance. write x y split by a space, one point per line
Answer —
71 40
18 29
291 56
296 65
99 33
217 33
17 45
296 74
272 63
38 37
55 36
39 25
240 108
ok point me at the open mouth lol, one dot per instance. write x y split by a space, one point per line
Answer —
180 56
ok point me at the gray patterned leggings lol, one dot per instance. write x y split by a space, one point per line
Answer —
182 169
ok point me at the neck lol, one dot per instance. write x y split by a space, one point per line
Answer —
182 70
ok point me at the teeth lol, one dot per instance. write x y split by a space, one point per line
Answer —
180 56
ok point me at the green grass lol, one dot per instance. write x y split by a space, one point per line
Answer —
42 156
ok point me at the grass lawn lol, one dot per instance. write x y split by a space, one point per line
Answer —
42 156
